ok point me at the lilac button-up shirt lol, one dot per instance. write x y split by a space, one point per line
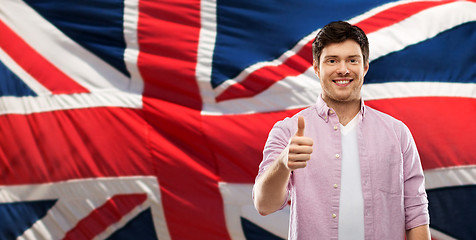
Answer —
391 175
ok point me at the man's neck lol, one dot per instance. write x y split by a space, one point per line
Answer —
346 111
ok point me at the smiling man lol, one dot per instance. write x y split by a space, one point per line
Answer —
351 172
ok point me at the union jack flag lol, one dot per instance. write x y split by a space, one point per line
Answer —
136 119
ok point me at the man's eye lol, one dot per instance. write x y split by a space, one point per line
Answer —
331 61
354 61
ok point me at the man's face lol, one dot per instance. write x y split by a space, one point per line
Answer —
341 70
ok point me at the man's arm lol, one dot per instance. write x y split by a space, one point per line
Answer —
270 190
416 202
419 233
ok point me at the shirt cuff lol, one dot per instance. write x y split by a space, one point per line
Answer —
416 215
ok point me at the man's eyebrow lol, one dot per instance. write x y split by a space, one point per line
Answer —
335 56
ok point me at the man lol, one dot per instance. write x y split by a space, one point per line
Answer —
351 172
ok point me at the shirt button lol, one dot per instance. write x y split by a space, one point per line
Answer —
336 186
331 112
334 215
337 156
335 127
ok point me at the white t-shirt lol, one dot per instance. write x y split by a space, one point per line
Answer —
351 207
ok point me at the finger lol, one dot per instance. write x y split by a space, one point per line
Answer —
300 149
306 141
300 131
296 165
299 157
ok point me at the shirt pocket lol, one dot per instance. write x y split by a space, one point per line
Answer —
388 172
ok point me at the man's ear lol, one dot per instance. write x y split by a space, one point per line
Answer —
366 67
315 66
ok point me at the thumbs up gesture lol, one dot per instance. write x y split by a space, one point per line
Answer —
300 148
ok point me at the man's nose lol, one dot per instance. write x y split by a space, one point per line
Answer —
342 68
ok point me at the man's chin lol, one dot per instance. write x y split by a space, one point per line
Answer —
345 98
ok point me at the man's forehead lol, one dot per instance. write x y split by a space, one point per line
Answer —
348 48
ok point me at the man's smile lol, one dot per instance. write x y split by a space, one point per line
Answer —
342 82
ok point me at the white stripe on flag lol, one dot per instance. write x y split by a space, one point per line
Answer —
47 103
450 177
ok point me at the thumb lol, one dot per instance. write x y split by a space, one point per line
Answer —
300 131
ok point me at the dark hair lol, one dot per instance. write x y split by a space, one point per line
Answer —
337 32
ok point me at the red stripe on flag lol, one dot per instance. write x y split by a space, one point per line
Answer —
262 78
85 143
102 217
187 172
168 33
36 65
443 127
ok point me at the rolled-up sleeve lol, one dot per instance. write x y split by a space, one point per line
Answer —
415 198
277 142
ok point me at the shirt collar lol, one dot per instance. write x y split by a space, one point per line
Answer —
324 111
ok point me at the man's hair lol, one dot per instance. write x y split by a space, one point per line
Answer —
337 32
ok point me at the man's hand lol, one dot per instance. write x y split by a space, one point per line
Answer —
270 190
300 148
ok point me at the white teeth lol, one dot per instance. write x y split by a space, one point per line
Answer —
342 82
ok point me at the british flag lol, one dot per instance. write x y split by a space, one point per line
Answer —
139 119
